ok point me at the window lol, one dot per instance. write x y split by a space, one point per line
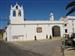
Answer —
39 29
16 7
65 30
19 13
65 25
14 13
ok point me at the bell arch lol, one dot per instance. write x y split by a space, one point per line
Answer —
14 13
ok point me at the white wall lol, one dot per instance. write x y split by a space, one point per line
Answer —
70 21
24 32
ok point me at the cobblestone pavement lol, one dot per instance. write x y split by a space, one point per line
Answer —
43 47
7 49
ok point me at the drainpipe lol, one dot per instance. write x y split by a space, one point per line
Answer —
73 26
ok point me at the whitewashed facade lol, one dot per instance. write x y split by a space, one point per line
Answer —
23 30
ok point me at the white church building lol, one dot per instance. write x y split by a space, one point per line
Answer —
24 30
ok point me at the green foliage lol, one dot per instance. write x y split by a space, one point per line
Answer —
70 6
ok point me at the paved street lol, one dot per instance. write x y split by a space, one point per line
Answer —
7 49
69 52
43 47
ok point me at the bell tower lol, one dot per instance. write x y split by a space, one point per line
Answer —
51 17
16 14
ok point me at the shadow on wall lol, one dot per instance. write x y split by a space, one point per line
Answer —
35 38
47 37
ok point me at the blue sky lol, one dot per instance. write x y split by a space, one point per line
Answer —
33 9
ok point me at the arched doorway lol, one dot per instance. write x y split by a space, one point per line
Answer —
56 31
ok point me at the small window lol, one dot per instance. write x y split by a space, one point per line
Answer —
14 13
65 30
65 25
16 7
39 29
